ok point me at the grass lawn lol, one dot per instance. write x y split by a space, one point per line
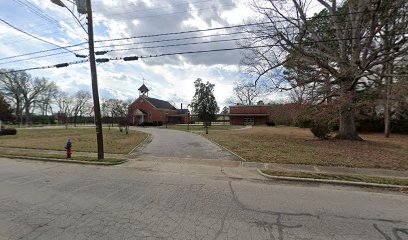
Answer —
201 127
83 139
298 146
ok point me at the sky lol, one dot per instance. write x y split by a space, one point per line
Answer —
168 77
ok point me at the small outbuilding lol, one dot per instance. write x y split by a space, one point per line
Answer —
249 114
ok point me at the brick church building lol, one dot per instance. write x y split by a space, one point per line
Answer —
147 109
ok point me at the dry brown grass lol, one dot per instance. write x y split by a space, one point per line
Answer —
83 139
298 146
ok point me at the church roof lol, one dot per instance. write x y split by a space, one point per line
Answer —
143 111
143 88
182 111
160 103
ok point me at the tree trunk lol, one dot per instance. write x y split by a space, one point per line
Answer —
18 112
21 116
27 114
387 115
75 119
347 127
387 127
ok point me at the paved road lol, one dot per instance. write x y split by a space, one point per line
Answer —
179 144
150 200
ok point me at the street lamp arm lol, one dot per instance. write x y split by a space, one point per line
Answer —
61 4
76 19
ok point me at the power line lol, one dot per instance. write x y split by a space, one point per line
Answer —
43 51
221 28
131 58
33 36
156 41
295 19
167 14
235 48
148 9
213 35
38 57
114 50
35 10
163 34
128 38
173 39
60 65
169 45
39 12
177 33
142 10
177 45
136 37
218 28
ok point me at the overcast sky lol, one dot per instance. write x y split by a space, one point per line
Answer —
169 78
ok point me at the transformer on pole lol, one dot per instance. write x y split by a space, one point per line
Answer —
81 6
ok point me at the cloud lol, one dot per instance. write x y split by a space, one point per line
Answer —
169 77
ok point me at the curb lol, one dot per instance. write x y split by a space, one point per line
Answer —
141 143
222 147
230 151
63 160
328 181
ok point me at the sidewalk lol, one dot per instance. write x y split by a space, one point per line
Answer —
233 164
23 151
376 172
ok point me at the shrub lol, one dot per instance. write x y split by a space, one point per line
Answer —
270 123
321 130
370 125
303 122
8 131
36 119
399 126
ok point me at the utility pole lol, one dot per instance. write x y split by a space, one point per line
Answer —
95 93
84 6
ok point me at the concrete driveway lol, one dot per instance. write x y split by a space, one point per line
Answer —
179 144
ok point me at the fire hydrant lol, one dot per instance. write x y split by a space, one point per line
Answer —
68 147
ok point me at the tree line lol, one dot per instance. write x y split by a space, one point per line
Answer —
24 99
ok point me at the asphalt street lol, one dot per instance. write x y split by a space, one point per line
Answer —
163 200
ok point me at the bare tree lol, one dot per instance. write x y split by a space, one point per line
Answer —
64 103
24 91
31 92
10 87
299 95
120 110
80 101
342 41
108 110
48 98
247 92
